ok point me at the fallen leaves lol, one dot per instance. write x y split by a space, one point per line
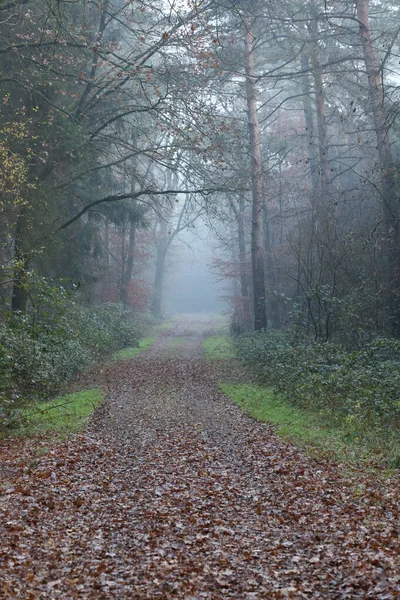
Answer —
180 495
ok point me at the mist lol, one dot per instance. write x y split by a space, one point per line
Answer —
199 299
191 284
261 127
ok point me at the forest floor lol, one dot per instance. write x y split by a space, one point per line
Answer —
174 492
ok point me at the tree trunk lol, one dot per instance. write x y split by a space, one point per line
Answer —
307 269
128 267
321 117
106 279
319 266
162 250
257 253
156 306
244 280
381 126
165 238
309 120
270 274
247 316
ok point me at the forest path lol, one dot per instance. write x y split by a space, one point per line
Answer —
173 492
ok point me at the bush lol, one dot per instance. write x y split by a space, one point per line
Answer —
109 327
44 348
358 388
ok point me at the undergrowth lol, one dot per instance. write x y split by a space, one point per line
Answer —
357 391
44 347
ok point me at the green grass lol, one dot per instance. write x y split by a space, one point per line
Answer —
64 414
218 347
128 353
296 425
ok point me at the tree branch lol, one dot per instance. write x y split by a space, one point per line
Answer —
13 47
146 192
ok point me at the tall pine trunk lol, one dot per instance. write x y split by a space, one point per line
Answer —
244 275
390 207
309 120
244 279
257 250
128 266
156 306
322 127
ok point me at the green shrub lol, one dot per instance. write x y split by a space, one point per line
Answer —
109 327
56 338
358 388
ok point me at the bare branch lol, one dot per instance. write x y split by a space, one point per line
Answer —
146 192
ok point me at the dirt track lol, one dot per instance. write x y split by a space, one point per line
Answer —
174 493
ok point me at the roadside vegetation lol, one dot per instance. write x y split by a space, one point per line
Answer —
323 393
57 337
299 426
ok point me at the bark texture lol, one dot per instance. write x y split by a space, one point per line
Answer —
389 199
257 250
309 120
128 266
322 127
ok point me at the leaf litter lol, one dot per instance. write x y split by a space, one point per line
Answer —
173 492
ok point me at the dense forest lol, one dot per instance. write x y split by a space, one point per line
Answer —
123 124
150 454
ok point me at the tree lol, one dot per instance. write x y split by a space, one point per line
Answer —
390 203
171 222
257 247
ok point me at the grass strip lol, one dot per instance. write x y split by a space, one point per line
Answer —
128 353
297 425
218 347
64 414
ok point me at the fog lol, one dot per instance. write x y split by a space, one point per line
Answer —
191 284
195 157
148 150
